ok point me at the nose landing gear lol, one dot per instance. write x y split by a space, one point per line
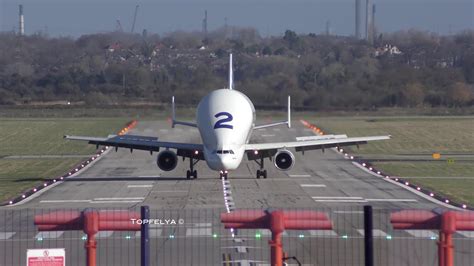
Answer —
223 174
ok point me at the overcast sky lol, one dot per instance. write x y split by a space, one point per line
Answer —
270 17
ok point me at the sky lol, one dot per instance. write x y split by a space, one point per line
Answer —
269 17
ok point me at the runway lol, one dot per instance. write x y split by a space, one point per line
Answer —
320 181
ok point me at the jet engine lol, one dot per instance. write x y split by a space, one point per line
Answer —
284 160
167 160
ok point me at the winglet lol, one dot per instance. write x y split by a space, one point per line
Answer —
289 112
173 117
231 74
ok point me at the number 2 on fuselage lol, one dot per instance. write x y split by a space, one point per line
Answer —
221 123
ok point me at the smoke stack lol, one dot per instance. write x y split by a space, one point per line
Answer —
328 27
357 18
373 24
204 23
368 21
22 21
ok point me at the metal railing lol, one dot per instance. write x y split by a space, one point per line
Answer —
356 236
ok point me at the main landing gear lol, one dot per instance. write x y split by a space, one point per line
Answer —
261 172
192 173
223 174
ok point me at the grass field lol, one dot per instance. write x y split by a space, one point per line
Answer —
414 137
20 137
410 135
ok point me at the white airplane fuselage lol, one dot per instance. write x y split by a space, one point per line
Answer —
225 120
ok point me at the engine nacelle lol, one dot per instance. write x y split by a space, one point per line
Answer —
167 160
284 160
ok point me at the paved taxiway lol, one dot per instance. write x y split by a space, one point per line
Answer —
323 181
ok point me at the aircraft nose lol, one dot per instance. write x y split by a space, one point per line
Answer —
228 163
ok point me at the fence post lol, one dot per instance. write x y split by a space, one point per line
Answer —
145 237
368 237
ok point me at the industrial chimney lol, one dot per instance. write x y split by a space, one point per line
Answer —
373 24
204 23
368 20
22 21
357 18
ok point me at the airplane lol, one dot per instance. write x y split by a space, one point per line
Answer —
225 119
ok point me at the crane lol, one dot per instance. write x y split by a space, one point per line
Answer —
118 26
134 19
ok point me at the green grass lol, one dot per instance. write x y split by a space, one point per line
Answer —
458 189
428 169
18 175
414 136
410 135
41 136
45 136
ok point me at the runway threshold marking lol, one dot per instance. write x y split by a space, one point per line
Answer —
65 201
131 198
422 233
375 232
337 199
299 175
356 199
6 235
199 232
116 201
322 233
312 185
392 200
139 186
49 235
349 212
467 234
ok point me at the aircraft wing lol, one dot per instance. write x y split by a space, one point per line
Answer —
135 142
256 150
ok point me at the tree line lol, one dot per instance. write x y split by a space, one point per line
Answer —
402 69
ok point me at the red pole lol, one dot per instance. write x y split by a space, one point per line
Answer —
448 226
441 257
91 227
91 248
277 226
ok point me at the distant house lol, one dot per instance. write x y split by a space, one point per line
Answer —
387 49
113 47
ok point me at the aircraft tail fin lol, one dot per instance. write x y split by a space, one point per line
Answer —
231 74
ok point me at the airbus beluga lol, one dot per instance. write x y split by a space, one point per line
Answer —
225 119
